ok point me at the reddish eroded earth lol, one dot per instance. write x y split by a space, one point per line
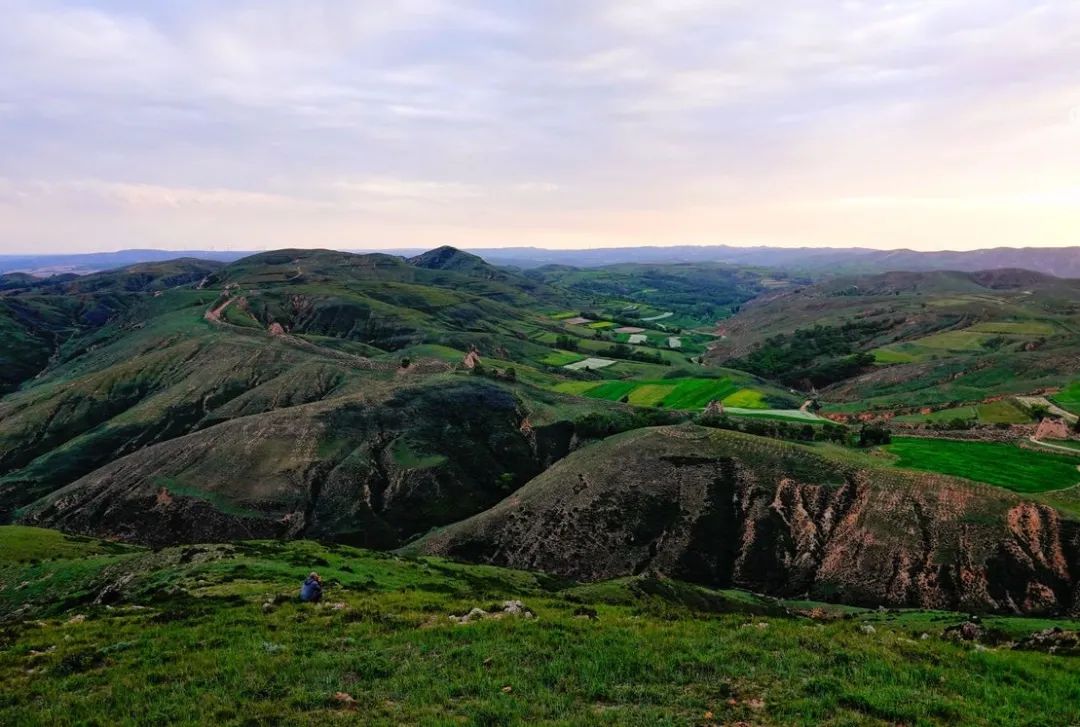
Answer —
725 509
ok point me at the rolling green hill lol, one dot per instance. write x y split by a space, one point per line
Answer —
909 339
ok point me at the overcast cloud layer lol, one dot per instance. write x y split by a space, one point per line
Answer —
943 124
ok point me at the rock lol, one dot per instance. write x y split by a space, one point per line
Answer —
867 629
586 613
1052 641
114 591
345 699
76 619
966 631
509 608
517 608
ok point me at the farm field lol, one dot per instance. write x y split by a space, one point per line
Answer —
561 358
688 393
787 415
1069 398
1016 328
994 412
1005 465
590 363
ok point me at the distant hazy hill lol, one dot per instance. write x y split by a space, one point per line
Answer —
1061 261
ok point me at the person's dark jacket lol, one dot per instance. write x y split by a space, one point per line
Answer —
311 591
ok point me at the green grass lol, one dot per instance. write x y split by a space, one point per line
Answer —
967 413
612 390
1002 412
561 358
404 454
697 393
1005 465
894 355
601 325
22 544
1069 443
1069 397
189 641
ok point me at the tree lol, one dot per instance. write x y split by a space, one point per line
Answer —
873 435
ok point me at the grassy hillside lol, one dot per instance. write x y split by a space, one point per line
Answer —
214 633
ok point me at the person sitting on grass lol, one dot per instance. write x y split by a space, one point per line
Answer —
311 591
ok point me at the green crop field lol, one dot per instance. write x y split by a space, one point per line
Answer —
1002 412
601 325
1069 397
650 394
895 354
576 388
1015 328
683 393
747 399
561 358
953 341
1005 465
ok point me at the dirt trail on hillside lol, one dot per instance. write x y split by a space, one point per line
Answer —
214 314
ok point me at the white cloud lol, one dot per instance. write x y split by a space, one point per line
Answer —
560 118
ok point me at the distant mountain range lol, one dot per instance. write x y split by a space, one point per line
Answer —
1059 261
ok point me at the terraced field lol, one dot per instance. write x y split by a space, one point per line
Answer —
1005 465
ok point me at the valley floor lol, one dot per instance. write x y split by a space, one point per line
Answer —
98 633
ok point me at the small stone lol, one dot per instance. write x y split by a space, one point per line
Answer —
867 629
77 619
345 700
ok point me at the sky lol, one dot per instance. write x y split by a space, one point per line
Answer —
944 124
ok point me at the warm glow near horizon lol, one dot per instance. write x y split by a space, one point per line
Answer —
252 125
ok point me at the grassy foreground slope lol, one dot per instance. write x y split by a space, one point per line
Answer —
201 634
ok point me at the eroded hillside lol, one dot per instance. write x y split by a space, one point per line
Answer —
728 509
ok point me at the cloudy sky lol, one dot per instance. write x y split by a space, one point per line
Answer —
251 125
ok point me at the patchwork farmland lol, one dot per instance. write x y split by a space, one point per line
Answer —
683 393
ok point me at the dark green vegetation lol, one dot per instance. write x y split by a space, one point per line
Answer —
1007 465
203 634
